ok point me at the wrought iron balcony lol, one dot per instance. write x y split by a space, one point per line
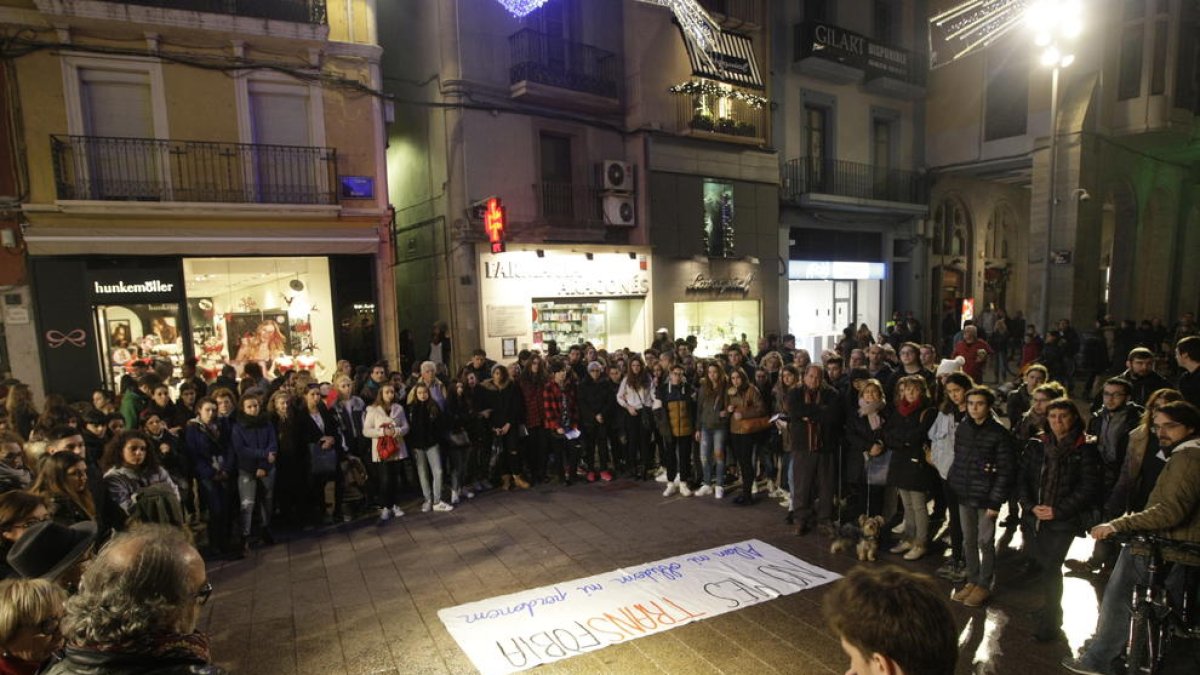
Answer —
157 170
564 64
568 203
736 13
818 175
299 11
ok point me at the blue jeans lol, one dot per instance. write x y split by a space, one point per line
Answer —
979 545
429 460
1112 626
713 447
248 494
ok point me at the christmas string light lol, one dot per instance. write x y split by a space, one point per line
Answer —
520 8
695 88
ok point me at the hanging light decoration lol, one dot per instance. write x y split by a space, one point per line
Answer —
697 25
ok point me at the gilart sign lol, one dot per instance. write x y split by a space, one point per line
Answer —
706 284
560 275
834 43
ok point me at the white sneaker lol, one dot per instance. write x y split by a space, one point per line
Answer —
684 490
469 494
426 507
671 489
720 492
899 529
443 507
385 514
786 503
754 488
661 475
704 491
397 512
778 493
454 497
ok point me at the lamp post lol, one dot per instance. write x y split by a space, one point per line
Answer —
1055 25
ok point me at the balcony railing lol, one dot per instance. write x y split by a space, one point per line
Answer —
736 13
299 11
556 62
569 203
157 170
705 115
818 175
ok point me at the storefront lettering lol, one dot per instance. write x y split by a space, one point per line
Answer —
151 286
847 41
566 282
706 284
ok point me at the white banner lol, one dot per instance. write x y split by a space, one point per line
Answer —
515 632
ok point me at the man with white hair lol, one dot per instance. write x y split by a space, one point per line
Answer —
155 581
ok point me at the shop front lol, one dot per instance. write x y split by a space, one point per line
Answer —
97 315
826 296
531 297
717 301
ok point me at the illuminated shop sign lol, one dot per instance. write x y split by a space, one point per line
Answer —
832 269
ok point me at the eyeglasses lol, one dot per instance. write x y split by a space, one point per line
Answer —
1165 426
203 594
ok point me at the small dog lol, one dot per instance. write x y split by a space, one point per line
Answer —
868 538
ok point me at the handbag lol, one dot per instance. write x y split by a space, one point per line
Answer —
877 467
750 425
647 419
387 447
322 460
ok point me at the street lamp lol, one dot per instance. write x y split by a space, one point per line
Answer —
1055 25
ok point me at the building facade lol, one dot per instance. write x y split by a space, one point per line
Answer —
850 131
637 176
1112 230
200 180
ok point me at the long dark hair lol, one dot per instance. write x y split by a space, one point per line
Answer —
114 456
53 480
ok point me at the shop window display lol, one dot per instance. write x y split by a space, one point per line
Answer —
273 311
718 235
139 331
718 323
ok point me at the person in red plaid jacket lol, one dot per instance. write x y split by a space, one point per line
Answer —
562 417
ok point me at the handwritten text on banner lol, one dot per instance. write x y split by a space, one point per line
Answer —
515 632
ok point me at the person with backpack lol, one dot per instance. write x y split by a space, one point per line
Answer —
139 488
255 449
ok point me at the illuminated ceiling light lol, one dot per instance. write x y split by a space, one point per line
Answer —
1042 39
1051 56
1067 60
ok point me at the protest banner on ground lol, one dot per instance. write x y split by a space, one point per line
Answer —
515 632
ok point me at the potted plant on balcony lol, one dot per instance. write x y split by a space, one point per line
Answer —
726 125
702 120
746 129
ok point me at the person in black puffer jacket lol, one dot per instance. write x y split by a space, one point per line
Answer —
503 409
255 449
1059 486
982 478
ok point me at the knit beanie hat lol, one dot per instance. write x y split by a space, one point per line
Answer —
954 365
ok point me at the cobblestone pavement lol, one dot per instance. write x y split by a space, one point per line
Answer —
361 598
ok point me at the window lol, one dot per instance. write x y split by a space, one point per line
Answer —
1129 76
281 130
884 21
882 159
1006 108
816 144
999 231
1187 65
117 108
719 213
818 10
950 228
557 190
1158 73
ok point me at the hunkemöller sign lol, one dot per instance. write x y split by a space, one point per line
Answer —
522 630
149 286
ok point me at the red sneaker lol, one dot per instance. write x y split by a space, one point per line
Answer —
606 476
591 476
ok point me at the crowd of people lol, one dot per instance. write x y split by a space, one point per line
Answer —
875 428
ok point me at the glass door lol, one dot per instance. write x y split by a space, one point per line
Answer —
843 304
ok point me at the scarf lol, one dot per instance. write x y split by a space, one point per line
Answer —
812 428
1056 450
906 407
191 647
871 412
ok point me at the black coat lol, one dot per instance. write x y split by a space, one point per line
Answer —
596 397
907 436
86 662
984 464
1080 483
859 437
507 404
426 428
826 411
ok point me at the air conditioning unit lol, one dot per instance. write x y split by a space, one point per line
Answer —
619 210
616 176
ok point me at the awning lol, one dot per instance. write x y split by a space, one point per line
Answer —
199 241
732 60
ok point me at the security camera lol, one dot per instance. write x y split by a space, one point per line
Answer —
1081 194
